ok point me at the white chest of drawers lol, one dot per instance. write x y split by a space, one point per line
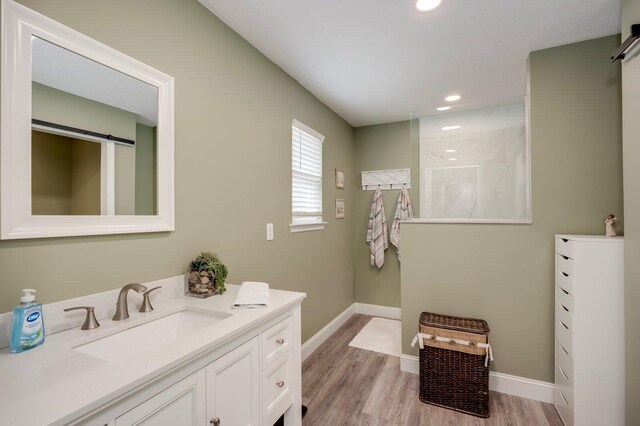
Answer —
589 330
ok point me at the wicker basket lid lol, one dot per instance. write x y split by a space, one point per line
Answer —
469 325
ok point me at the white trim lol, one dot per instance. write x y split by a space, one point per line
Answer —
304 227
107 179
317 339
308 130
409 364
19 25
471 221
499 382
523 387
378 310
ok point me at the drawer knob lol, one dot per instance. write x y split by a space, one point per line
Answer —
215 421
280 341
280 384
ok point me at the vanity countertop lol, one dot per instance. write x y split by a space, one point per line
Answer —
55 384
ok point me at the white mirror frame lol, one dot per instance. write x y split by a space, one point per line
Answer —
19 25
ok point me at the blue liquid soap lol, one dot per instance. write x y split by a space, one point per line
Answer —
27 330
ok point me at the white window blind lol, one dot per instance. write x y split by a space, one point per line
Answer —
306 175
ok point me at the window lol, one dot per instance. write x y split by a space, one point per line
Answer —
306 178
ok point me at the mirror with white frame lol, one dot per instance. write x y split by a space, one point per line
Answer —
87 135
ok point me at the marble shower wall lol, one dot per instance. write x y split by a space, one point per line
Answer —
484 174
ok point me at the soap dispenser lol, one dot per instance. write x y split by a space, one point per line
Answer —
28 325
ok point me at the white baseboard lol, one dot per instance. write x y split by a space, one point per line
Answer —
409 364
317 339
521 386
377 310
500 382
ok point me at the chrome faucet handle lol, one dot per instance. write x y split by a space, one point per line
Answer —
146 303
90 321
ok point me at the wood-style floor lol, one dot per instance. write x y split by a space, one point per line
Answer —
342 385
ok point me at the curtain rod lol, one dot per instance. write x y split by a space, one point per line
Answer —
619 54
82 132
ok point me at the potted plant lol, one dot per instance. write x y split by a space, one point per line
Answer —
206 275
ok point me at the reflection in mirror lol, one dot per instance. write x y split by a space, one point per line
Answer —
472 164
93 139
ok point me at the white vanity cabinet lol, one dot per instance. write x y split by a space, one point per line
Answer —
225 392
251 381
233 384
180 404
589 330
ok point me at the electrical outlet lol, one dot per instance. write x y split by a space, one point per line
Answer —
269 231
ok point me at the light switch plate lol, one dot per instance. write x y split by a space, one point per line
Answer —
269 231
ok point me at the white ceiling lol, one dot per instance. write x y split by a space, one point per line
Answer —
376 61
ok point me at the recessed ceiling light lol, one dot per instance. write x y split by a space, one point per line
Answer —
452 159
452 98
451 150
443 108
445 128
427 5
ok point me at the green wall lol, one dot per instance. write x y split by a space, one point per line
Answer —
504 273
125 179
232 160
65 175
85 177
50 174
384 146
631 135
145 170
60 107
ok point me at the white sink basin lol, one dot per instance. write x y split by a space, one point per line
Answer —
149 337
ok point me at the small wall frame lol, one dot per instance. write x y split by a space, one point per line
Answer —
339 208
339 179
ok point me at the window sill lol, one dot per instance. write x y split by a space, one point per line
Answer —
305 227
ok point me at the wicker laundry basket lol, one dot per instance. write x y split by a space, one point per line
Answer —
454 363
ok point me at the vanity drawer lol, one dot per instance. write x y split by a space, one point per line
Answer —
276 341
564 247
564 337
564 264
276 389
564 280
564 315
564 298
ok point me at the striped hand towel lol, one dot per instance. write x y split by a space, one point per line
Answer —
403 212
377 230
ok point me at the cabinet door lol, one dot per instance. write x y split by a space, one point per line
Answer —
180 404
233 386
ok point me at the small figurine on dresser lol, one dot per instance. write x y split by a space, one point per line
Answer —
610 223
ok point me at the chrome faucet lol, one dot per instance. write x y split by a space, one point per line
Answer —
122 310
